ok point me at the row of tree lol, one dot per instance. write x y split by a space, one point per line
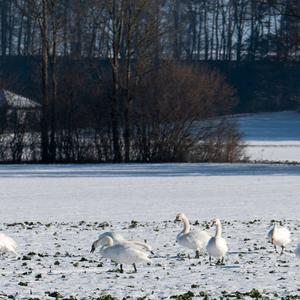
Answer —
181 29
119 80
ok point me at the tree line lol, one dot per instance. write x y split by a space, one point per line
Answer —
119 79
182 29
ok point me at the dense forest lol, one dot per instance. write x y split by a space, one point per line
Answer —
139 80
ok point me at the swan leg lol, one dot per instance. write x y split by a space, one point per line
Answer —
121 268
222 261
134 266
275 249
197 254
282 250
210 260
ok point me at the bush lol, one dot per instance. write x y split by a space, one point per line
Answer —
172 117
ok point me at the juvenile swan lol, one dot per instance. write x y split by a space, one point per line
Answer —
118 238
7 244
123 253
279 236
297 251
195 240
217 246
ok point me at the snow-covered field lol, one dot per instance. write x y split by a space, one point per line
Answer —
271 136
56 212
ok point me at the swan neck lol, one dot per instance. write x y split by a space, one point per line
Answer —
274 230
187 226
218 230
97 243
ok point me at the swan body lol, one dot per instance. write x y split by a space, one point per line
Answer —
297 251
195 240
118 238
7 244
217 246
123 252
279 236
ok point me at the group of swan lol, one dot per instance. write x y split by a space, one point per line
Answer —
116 248
216 246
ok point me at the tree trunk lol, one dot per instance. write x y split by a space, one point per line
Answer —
45 100
52 146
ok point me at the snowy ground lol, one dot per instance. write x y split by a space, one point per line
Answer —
68 206
272 136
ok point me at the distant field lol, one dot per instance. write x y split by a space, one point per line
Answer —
272 136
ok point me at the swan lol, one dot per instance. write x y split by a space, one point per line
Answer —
297 251
118 238
7 244
195 240
217 246
122 252
279 236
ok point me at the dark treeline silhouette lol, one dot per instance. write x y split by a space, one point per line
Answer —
182 29
139 80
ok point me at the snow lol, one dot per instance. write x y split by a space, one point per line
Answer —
56 244
16 101
93 192
271 136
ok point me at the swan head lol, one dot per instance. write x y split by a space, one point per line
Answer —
180 217
215 222
103 241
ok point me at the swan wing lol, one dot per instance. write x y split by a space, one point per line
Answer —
194 239
217 247
283 235
201 237
7 244
117 237
125 254
141 245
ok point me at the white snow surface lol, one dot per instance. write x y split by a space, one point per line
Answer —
16 101
55 213
271 136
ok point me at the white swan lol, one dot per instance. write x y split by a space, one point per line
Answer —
195 240
297 251
7 244
279 236
123 253
118 238
217 246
